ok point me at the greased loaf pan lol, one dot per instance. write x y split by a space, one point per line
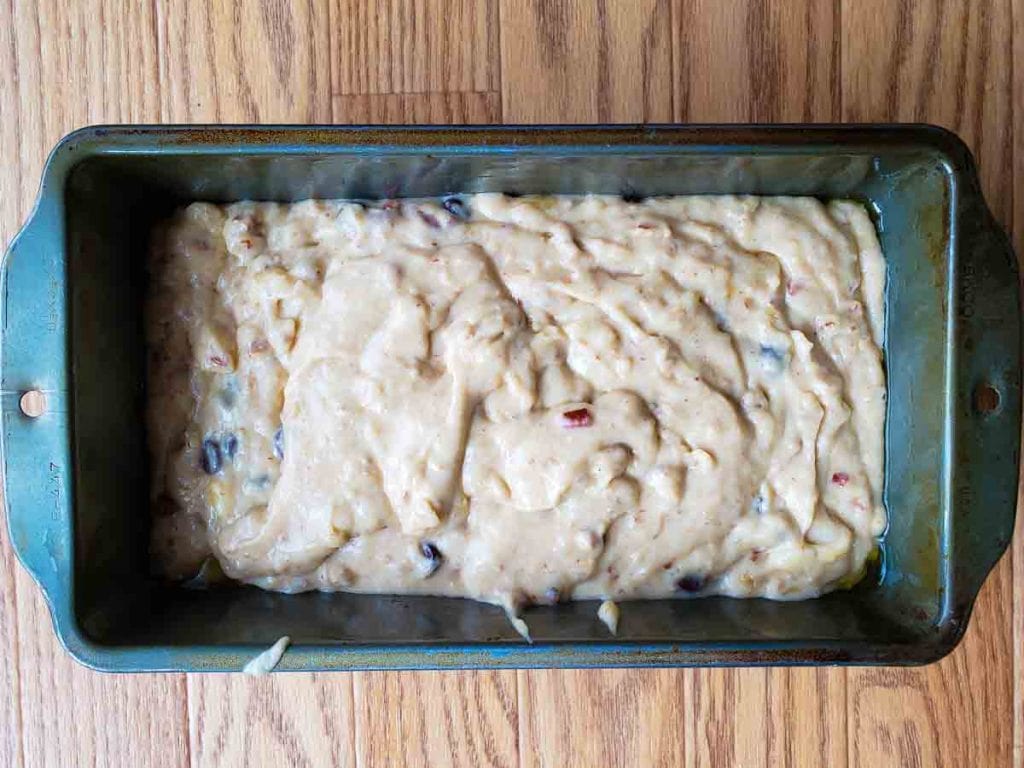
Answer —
76 476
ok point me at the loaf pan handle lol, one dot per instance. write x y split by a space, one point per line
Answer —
987 406
33 358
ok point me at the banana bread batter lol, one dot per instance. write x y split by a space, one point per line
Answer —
519 400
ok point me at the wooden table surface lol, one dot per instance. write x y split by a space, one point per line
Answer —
65 64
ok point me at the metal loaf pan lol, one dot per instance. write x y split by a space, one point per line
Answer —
76 477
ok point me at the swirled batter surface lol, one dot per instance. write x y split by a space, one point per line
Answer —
519 400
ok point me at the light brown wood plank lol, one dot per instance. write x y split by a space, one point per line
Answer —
436 718
602 717
95 61
10 688
808 717
753 717
433 108
1017 558
729 715
564 61
756 717
73 64
71 715
237 62
956 712
740 61
414 46
1017 672
893 722
948 63
283 719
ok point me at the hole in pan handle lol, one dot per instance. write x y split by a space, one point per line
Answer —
33 388
32 403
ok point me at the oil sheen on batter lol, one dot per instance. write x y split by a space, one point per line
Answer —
519 400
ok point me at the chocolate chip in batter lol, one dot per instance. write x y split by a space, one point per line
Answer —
228 395
229 445
630 195
433 556
279 443
690 583
552 596
456 207
210 457
773 357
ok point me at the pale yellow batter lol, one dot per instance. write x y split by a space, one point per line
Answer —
519 400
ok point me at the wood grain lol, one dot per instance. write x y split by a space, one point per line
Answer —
808 717
730 716
892 721
755 717
11 748
239 62
602 717
71 715
565 61
67 63
437 718
414 46
289 719
759 61
422 108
